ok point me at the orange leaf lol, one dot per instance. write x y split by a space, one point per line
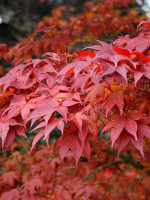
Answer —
123 52
6 94
70 71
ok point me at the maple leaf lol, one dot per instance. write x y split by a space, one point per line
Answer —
122 122
82 54
140 46
86 191
71 141
128 127
10 195
96 93
70 71
47 108
114 97
5 127
12 133
75 67
124 138
10 178
144 70
107 54
31 186
80 82
75 139
112 62
145 23
53 123
11 76
134 55
6 94
103 47
17 106
123 52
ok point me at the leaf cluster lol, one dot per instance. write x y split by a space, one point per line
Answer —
80 95
75 31
43 175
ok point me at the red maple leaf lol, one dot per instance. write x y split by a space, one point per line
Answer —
10 178
6 128
32 186
128 127
10 195
145 23
82 54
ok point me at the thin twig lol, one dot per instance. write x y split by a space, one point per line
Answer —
93 174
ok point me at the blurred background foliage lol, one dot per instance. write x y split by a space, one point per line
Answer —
30 28
18 17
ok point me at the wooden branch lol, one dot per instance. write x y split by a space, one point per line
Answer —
93 174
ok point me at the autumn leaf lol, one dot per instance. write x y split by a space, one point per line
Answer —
122 122
31 186
10 178
10 195
70 71
123 52
5 127
145 23
114 97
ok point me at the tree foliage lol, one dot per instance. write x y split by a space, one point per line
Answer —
109 86
101 91
43 175
58 31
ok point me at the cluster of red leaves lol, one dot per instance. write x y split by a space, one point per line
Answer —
81 94
43 175
53 32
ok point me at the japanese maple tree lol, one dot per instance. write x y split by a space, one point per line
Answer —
96 98
76 93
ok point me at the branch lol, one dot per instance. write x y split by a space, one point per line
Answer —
93 174
128 159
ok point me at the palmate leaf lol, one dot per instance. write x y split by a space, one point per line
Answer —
113 97
127 128
75 140
5 128
75 66
118 124
10 195
71 141
96 93
142 71
32 185
10 178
